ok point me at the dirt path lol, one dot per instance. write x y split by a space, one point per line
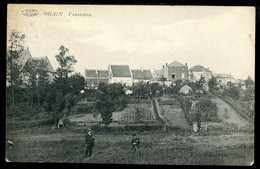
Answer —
232 116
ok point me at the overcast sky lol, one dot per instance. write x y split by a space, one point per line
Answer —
219 38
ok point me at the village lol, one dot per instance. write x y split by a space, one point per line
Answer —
142 85
174 99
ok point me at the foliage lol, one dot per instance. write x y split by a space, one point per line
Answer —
232 92
213 82
206 110
14 50
248 94
109 98
65 68
249 81
156 89
76 83
141 90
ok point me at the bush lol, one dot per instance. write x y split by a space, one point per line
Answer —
206 110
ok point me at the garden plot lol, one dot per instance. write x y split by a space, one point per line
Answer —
85 118
135 113
173 115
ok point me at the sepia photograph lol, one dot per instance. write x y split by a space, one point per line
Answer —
130 84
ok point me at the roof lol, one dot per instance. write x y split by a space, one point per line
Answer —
177 64
120 71
45 58
223 75
96 73
142 74
199 68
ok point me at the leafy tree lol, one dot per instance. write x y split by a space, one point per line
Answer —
156 89
212 82
109 98
36 80
76 83
66 67
141 90
206 110
249 81
232 92
14 51
249 94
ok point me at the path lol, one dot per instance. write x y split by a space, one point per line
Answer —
233 117
172 115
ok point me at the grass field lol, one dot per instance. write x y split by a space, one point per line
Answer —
51 145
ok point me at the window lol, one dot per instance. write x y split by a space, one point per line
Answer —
173 75
182 75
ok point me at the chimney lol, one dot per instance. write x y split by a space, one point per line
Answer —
142 69
162 66
166 65
185 64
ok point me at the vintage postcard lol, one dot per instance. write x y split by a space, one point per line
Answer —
130 84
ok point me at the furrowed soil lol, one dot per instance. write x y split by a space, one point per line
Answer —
184 148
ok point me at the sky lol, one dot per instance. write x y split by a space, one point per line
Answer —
219 38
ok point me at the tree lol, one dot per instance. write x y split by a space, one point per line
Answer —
76 83
141 90
206 110
36 79
109 98
212 82
14 51
249 81
66 67
232 92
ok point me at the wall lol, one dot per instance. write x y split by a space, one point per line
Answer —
178 73
123 80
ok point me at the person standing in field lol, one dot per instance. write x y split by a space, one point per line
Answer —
135 144
89 143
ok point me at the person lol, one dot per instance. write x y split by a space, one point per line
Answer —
89 143
135 144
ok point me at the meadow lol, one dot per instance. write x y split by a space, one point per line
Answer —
46 144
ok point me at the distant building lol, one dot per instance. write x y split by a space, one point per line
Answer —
174 71
197 72
120 74
26 58
141 75
95 77
223 79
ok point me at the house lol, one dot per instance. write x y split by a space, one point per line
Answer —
141 75
95 77
26 59
120 74
37 61
174 71
223 79
197 72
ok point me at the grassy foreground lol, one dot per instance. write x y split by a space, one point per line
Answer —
46 145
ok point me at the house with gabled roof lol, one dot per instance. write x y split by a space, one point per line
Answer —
141 75
120 74
223 79
94 77
37 61
197 72
26 58
174 71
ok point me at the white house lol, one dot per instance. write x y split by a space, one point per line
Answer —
141 75
120 74
198 71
